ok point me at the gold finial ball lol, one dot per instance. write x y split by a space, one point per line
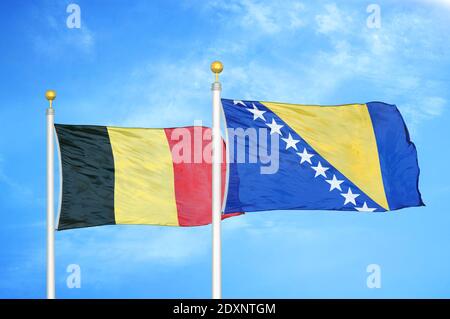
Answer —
216 67
50 95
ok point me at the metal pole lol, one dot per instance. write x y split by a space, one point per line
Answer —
216 67
50 96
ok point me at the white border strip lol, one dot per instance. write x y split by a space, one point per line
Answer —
60 178
227 158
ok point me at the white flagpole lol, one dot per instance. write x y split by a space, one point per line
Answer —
50 96
216 68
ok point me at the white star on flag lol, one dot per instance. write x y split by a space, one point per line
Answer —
349 197
274 127
334 183
365 208
238 102
320 170
257 113
291 142
306 157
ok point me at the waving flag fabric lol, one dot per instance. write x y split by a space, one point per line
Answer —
115 175
349 157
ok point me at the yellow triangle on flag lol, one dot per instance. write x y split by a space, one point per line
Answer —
344 136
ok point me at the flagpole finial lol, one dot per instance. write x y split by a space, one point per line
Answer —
216 68
50 95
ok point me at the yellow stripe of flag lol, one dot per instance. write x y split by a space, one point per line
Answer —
144 191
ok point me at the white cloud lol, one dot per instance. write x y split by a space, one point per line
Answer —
159 91
434 105
443 3
423 108
58 39
333 20
388 60
266 17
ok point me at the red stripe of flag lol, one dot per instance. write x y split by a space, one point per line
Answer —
193 176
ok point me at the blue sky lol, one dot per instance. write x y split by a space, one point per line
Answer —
146 63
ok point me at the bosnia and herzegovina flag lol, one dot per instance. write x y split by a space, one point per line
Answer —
346 157
113 175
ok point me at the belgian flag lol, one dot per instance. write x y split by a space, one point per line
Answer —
113 175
